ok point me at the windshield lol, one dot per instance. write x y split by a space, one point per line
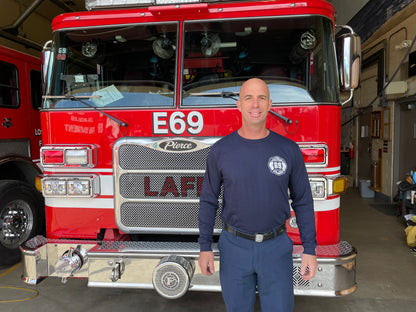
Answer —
295 56
137 65
130 66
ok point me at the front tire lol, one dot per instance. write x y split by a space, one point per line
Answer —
21 217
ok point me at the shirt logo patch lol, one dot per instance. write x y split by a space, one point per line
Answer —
277 165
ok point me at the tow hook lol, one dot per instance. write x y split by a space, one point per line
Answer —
117 270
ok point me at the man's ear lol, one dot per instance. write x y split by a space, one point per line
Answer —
239 105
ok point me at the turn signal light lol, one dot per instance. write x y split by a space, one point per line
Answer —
339 185
38 183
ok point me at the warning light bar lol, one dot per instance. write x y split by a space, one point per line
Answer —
112 4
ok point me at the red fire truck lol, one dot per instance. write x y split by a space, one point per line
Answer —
21 205
134 98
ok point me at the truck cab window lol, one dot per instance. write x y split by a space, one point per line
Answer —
293 55
129 66
9 86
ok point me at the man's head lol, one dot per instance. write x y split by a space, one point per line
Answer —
254 103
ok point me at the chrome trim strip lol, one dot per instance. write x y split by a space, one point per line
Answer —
79 203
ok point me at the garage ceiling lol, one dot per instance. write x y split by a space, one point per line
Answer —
50 8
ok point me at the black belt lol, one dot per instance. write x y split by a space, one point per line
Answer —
256 237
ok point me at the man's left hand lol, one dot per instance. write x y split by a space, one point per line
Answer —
308 267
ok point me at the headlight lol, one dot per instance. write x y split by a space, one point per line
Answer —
71 186
318 188
54 188
79 187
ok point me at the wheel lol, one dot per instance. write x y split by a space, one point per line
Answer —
21 217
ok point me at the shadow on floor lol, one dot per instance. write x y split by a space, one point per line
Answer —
387 209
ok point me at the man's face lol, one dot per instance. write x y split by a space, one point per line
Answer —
254 102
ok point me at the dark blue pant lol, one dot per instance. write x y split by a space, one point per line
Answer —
245 264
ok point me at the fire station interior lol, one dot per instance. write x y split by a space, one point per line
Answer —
378 148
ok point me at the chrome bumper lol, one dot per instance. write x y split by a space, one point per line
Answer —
134 264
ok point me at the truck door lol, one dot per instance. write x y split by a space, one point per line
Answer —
13 111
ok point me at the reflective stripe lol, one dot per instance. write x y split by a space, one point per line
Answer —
325 205
78 170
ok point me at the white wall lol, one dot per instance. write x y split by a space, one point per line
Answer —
400 27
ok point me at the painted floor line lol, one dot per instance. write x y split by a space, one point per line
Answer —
11 269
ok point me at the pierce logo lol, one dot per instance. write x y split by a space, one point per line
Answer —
177 146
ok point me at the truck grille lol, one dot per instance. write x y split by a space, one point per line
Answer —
158 183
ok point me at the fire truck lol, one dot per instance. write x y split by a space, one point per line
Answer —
21 205
136 93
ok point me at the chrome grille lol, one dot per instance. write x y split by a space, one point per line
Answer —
180 216
156 189
136 157
161 185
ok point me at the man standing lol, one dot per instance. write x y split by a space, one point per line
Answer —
256 168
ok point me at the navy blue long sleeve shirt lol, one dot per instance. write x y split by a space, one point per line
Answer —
256 175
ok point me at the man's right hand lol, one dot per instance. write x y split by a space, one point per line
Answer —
206 262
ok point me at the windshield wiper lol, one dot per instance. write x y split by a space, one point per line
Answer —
285 119
80 98
70 97
222 94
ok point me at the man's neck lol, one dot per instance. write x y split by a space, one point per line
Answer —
253 133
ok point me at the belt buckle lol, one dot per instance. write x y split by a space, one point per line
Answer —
258 238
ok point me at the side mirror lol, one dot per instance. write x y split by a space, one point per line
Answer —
349 60
45 59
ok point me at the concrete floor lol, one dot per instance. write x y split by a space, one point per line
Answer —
386 276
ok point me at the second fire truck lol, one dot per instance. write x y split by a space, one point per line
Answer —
21 205
134 98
